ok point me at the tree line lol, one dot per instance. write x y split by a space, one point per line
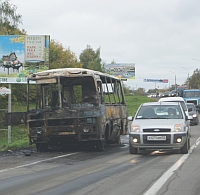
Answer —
59 57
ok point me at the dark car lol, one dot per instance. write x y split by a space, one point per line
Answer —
192 110
173 93
165 94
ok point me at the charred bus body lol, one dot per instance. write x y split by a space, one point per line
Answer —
75 105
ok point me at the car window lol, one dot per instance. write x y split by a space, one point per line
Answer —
182 104
159 112
190 106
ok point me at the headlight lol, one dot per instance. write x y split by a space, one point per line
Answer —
135 128
39 131
178 128
194 115
86 129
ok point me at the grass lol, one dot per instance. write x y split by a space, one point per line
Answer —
19 134
133 102
19 138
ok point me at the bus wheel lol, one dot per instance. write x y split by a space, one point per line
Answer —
100 145
42 147
118 140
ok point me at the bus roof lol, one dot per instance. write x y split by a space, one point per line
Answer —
69 72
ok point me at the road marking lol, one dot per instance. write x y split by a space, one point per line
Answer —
161 181
37 162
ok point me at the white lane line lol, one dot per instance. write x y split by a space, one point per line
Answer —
37 162
161 181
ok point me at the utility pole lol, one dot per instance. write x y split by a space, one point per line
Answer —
175 78
188 76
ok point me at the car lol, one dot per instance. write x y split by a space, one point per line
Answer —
176 99
194 113
173 93
153 127
165 94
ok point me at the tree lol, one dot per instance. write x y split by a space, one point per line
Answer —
140 91
194 80
113 62
61 57
9 19
91 59
126 88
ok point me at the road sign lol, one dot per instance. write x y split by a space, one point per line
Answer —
4 91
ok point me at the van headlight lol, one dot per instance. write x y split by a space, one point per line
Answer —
178 128
135 128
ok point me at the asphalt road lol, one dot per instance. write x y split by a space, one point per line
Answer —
110 172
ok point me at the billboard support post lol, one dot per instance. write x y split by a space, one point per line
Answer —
9 111
21 55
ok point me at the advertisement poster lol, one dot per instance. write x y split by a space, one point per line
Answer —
122 70
156 80
22 55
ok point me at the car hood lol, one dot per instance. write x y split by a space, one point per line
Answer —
158 123
192 112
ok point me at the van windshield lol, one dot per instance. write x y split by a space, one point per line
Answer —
190 94
182 104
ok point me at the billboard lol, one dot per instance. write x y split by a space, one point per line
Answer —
21 55
122 70
156 80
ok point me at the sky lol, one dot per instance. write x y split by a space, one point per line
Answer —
162 37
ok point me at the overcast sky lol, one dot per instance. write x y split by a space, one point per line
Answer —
159 36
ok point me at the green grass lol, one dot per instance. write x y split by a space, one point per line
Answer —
19 134
19 107
19 138
133 102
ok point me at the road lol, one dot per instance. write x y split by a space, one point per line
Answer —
110 172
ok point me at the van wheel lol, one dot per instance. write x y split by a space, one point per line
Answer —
186 147
132 150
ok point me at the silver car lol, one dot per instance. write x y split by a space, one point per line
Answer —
160 125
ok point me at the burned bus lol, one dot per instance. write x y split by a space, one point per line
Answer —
75 106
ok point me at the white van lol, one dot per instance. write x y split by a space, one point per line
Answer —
176 99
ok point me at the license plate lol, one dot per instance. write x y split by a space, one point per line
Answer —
158 137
